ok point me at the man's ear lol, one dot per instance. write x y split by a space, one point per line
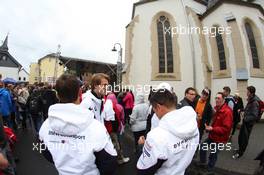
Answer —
78 100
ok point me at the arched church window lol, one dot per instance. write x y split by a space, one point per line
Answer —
165 45
253 46
221 51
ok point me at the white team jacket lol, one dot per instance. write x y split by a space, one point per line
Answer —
72 136
173 143
94 104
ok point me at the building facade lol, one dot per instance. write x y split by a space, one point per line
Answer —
196 43
9 66
34 73
51 66
23 75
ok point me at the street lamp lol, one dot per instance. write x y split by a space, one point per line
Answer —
119 63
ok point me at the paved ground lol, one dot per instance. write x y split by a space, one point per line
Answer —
32 163
246 164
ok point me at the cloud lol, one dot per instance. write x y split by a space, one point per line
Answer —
84 28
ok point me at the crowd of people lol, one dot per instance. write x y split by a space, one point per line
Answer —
80 126
21 107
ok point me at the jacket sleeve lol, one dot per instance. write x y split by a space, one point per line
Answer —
148 127
44 149
151 159
125 98
133 116
252 112
226 125
209 114
106 157
231 104
179 106
9 101
46 153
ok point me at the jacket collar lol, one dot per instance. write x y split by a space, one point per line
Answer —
95 95
221 108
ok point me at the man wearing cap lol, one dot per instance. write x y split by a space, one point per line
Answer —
170 147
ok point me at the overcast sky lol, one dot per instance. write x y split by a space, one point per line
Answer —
85 29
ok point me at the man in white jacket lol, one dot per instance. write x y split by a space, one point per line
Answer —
76 142
94 101
170 147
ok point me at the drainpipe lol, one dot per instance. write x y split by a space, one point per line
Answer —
192 45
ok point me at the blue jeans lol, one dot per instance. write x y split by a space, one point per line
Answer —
210 145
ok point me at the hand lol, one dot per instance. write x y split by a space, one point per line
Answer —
208 128
141 140
3 162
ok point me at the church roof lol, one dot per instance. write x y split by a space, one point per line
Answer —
216 3
4 46
211 5
4 51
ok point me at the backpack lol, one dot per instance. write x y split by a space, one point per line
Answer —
34 104
231 98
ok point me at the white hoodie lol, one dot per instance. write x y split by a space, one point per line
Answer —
94 104
173 143
72 136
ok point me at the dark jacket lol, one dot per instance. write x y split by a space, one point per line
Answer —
185 102
206 116
251 111
48 98
34 103
222 124
238 107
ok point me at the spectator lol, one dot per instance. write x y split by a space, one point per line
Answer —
251 113
170 147
23 95
238 108
34 105
219 132
189 99
115 127
84 146
48 97
10 88
128 101
204 110
138 118
5 105
228 98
